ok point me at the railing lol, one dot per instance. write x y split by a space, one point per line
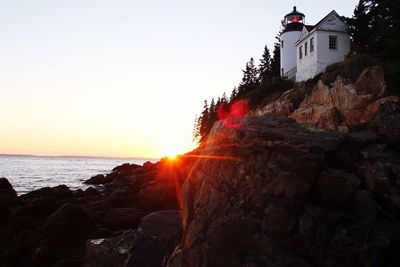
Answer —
291 74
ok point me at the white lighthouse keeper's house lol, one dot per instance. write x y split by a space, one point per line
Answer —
316 46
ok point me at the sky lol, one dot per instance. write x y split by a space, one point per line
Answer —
126 78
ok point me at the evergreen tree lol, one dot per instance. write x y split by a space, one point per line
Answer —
264 68
393 30
196 130
374 26
213 116
249 80
224 99
204 122
380 21
276 62
233 94
360 30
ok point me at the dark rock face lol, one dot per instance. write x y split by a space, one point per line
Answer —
158 234
98 179
162 195
274 193
386 121
371 81
68 225
126 167
123 218
8 198
59 192
39 208
110 251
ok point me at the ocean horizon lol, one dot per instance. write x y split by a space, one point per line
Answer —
31 172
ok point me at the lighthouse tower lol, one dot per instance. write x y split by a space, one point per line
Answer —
293 24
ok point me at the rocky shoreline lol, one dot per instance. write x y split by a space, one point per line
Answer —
60 227
319 186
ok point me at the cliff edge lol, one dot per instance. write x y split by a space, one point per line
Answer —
272 192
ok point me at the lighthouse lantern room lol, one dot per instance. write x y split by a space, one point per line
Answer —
292 24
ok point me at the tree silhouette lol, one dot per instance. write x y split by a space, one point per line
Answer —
249 80
264 69
359 26
276 61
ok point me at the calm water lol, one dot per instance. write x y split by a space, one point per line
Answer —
27 173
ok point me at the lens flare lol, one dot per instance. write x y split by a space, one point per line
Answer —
231 115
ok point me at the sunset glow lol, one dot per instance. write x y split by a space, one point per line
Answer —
125 78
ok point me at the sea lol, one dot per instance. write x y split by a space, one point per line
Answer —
28 173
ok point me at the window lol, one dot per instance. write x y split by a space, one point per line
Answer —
300 52
305 49
312 45
332 42
282 44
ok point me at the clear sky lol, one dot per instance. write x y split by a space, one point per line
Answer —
126 77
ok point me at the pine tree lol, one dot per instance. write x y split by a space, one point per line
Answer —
224 99
276 61
392 50
249 80
264 69
374 27
360 28
213 116
196 130
204 121
233 94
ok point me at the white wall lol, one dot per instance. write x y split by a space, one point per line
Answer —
306 67
325 55
315 63
288 52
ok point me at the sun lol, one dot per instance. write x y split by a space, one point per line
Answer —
174 145
171 152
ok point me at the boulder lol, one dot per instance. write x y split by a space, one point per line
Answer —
8 197
122 218
70 225
110 251
371 81
58 192
149 166
158 234
126 167
386 120
164 224
39 208
119 197
90 191
98 179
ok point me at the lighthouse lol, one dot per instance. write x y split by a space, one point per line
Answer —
293 24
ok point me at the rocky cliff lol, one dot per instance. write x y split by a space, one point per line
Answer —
275 193
310 179
340 106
